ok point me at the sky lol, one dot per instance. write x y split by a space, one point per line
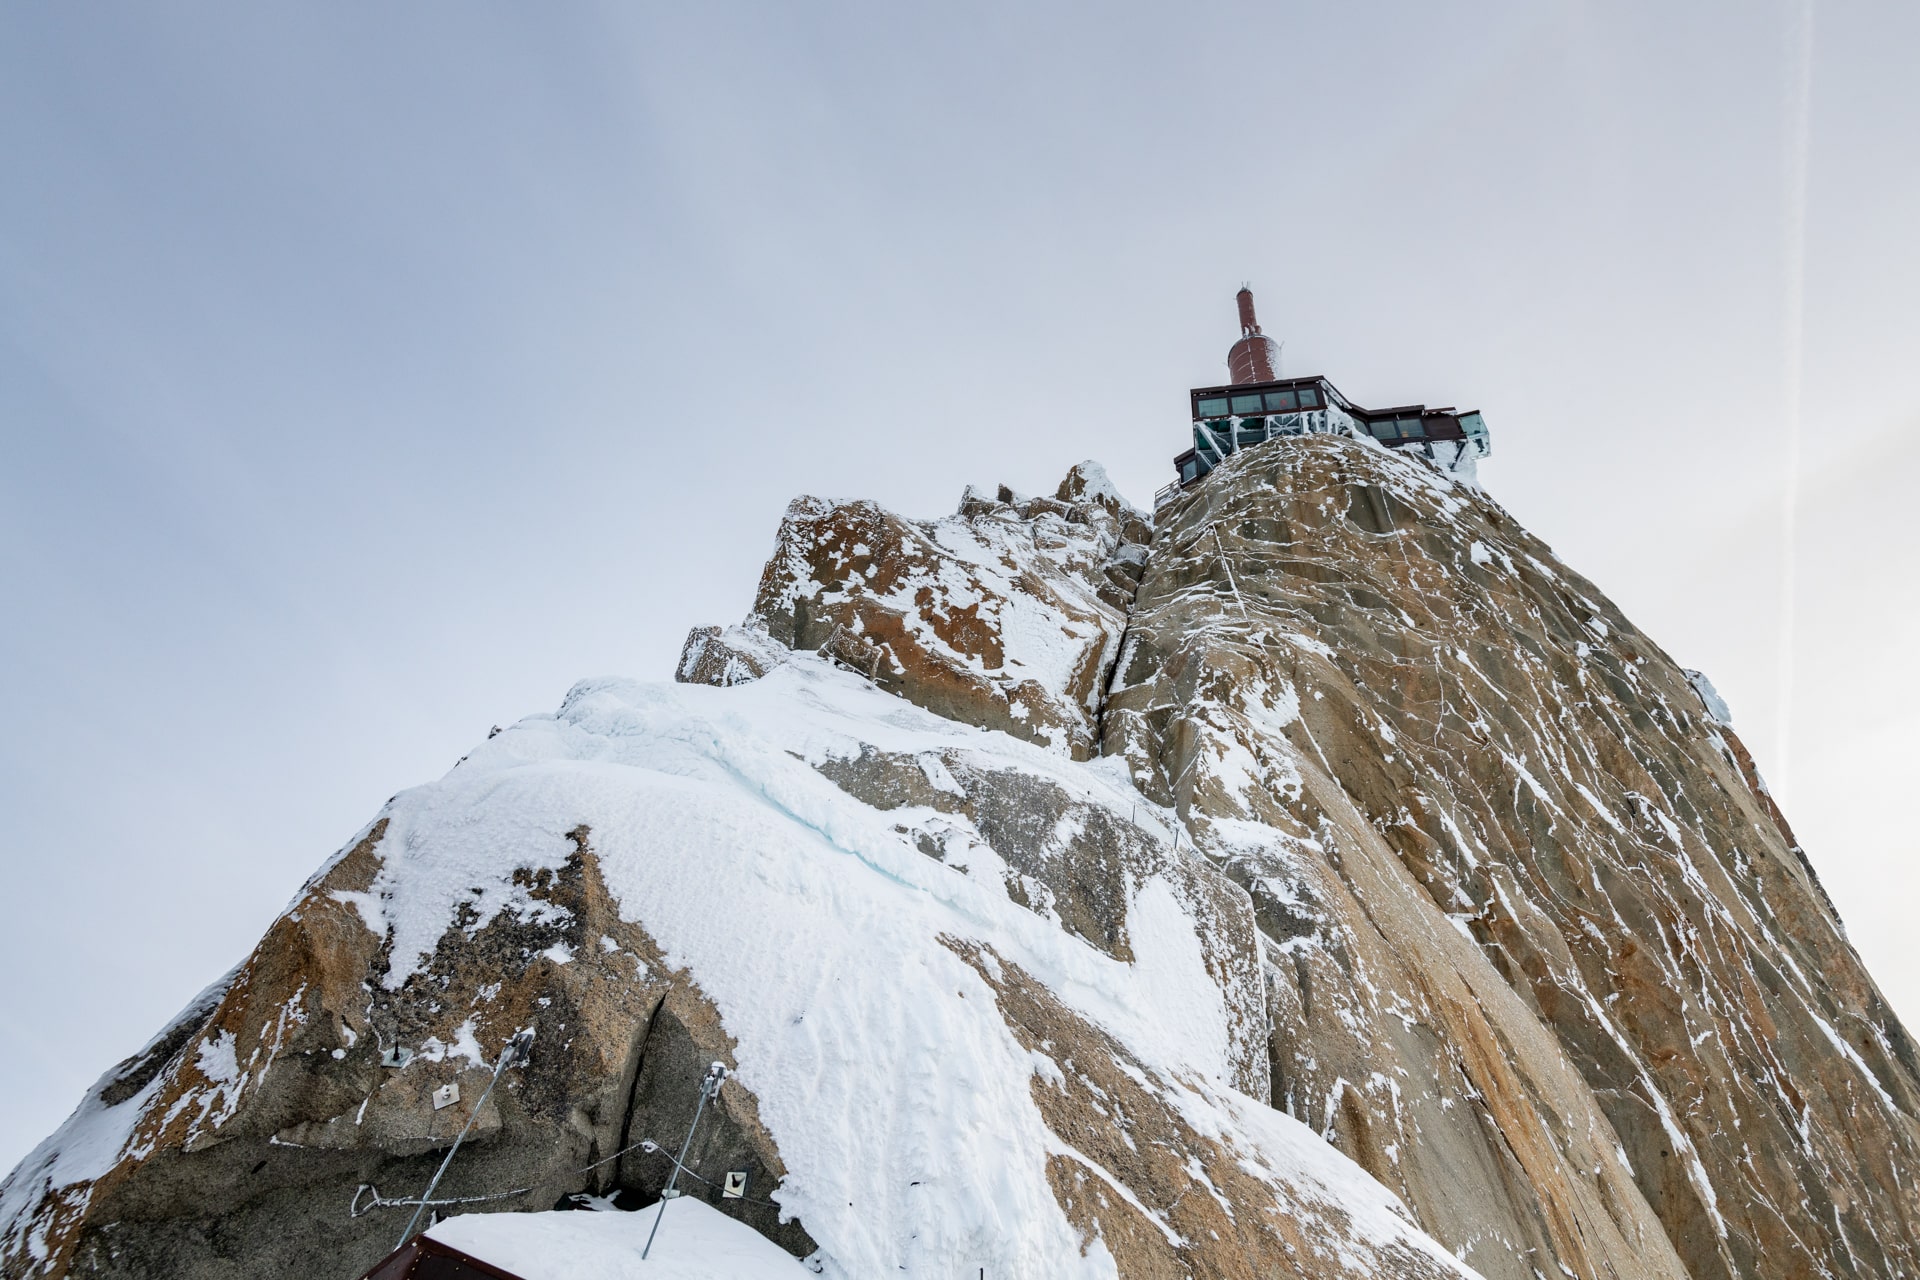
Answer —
369 373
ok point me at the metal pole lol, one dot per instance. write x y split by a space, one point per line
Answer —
709 1088
509 1055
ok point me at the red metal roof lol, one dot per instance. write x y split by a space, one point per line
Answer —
424 1258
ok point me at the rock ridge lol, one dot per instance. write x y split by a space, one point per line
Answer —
1318 880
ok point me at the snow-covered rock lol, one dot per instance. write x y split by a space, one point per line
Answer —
727 656
1007 614
1325 883
977 1003
1545 957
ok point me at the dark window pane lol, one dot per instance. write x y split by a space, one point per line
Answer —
1309 398
1280 402
1246 404
1213 407
1382 430
1410 429
1187 469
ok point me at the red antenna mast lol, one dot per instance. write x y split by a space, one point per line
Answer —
1255 357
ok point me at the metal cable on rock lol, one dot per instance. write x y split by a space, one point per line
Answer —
646 1146
515 1052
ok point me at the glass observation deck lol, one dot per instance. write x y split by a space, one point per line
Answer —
1228 419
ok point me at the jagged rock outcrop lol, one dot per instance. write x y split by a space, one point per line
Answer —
726 656
1006 615
1416 919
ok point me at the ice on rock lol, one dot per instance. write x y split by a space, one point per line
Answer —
1710 698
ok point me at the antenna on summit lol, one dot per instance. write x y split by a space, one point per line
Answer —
1252 359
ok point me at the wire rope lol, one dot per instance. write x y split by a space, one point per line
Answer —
372 1198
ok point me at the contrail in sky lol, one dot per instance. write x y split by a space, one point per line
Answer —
1799 113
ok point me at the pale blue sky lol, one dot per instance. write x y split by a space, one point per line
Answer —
368 373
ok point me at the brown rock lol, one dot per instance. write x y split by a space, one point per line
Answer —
273 1126
1007 615
1546 958
727 656
1164 1197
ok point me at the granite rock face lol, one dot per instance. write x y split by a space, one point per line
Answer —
1323 882
1007 614
1544 956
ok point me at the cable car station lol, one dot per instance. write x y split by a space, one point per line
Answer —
1258 406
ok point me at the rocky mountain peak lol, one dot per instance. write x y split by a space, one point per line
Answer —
1319 879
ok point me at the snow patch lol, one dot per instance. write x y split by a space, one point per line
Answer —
695 1242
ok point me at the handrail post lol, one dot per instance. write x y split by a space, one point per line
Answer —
709 1088
515 1052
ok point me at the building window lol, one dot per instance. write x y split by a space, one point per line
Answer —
1410 429
1309 398
1382 430
1214 407
1280 402
1246 404
1187 469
